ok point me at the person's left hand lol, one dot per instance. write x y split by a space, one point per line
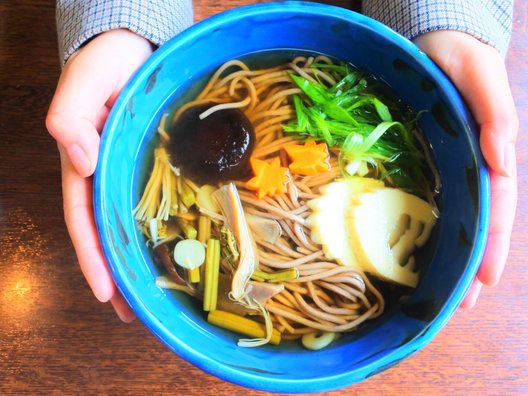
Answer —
479 73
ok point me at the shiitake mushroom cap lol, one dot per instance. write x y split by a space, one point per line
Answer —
214 149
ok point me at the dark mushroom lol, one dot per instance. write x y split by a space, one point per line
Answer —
213 149
163 256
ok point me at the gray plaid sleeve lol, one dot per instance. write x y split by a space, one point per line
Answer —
488 20
157 21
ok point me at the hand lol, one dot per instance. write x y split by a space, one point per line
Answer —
479 73
88 86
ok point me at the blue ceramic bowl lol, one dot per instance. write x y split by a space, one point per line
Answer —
175 72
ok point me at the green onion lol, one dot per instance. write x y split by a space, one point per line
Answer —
374 134
319 95
382 109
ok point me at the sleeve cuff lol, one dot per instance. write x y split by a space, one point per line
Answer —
489 21
157 21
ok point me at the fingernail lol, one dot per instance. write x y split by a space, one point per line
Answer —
509 159
79 159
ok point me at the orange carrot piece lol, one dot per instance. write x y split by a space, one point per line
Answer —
309 159
270 178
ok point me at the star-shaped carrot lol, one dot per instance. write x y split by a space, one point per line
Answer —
270 178
309 159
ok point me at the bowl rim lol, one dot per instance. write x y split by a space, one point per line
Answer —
234 374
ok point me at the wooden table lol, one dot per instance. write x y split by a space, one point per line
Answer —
55 338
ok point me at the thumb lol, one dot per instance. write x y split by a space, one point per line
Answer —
88 86
77 111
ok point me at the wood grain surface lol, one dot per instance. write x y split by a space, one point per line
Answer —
55 338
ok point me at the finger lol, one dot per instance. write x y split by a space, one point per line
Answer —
487 92
77 109
489 97
479 73
502 214
77 196
472 295
497 145
91 80
122 309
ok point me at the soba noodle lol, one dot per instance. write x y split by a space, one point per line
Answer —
263 97
326 296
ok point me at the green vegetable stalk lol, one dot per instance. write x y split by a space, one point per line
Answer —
212 266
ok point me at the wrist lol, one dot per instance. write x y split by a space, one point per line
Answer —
120 41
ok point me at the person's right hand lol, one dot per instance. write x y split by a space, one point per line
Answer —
88 86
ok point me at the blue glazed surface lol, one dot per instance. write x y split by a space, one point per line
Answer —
460 233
